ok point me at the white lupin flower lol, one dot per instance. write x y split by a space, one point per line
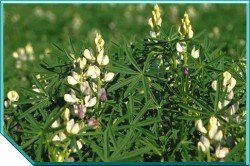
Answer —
181 47
79 145
55 124
102 59
230 95
233 108
7 103
56 138
93 71
94 86
214 85
108 76
85 88
226 76
204 144
72 127
71 98
228 82
153 34
89 102
221 152
34 88
80 62
218 136
88 55
195 53
213 127
66 114
223 104
200 127
62 136
74 79
231 85
13 96
59 137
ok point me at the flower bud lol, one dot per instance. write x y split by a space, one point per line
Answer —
102 94
72 127
200 127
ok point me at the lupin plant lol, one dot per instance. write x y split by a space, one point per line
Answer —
169 97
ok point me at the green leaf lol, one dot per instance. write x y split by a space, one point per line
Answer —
235 151
132 86
122 83
33 108
122 70
131 59
98 150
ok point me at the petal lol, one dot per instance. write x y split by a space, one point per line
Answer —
230 95
90 102
71 80
201 146
62 136
150 23
85 88
195 53
179 47
66 114
227 75
108 76
55 124
56 138
214 85
221 153
200 127
218 136
190 33
75 129
70 125
205 142
232 83
88 55
68 98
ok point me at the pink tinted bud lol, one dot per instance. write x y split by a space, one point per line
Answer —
93 122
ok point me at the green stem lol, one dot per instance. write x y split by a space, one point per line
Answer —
208 155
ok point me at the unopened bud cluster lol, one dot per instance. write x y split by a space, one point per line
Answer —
155 22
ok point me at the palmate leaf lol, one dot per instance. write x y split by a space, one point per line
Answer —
35 107
132 60
234 153
122 83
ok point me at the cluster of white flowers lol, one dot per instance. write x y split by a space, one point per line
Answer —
44 14
12 97
228 85
212 136
155 22
89 76
23 54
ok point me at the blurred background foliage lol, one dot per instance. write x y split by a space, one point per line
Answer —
41 25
